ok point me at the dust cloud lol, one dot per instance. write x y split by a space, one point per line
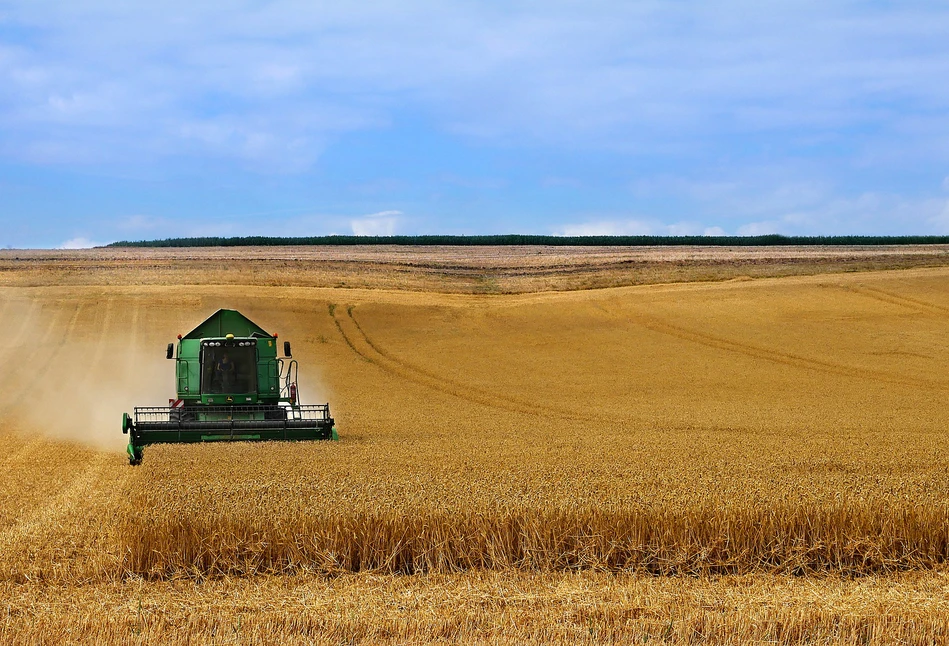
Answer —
69 375
311 388
82 395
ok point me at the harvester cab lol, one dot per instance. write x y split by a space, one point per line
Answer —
231 387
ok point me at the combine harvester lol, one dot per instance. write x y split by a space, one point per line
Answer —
232 387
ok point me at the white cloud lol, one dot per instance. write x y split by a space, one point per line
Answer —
869 213
607 228
684 229
79 243
141 222
940 221
714 231
383 223
630 227
758 228
783 199
626 81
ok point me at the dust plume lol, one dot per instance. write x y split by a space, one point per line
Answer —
311 388
82 395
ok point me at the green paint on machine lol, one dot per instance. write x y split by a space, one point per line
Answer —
230 380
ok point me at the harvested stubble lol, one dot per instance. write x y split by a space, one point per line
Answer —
470 270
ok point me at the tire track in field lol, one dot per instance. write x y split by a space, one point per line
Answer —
342 332
776 356
376 355
364 349
890 298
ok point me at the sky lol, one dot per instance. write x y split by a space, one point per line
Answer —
131 121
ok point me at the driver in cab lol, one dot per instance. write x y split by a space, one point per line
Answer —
226 373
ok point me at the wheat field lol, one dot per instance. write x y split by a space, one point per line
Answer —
721 461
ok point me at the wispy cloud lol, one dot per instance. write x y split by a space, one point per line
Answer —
78 243
607 228
211 74
634 227
759 228
726 115
868 213
940 220
384 223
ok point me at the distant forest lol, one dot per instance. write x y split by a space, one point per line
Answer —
537 240
532 240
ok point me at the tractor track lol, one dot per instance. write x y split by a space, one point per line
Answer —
346 338
405 370
775 356
356 338
895 299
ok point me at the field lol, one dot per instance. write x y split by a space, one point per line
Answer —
699 446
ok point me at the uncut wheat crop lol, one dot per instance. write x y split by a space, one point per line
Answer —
791 426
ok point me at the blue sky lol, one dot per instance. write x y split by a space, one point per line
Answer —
150 120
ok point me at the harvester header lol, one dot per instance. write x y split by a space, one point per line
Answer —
231 386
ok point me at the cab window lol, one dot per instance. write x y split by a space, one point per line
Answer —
229 370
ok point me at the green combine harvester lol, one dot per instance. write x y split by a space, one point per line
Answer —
232 387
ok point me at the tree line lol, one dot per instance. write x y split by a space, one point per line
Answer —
536 240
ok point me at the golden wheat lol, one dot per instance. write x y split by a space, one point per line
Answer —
756 430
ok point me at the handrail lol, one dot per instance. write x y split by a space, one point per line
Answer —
290 377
